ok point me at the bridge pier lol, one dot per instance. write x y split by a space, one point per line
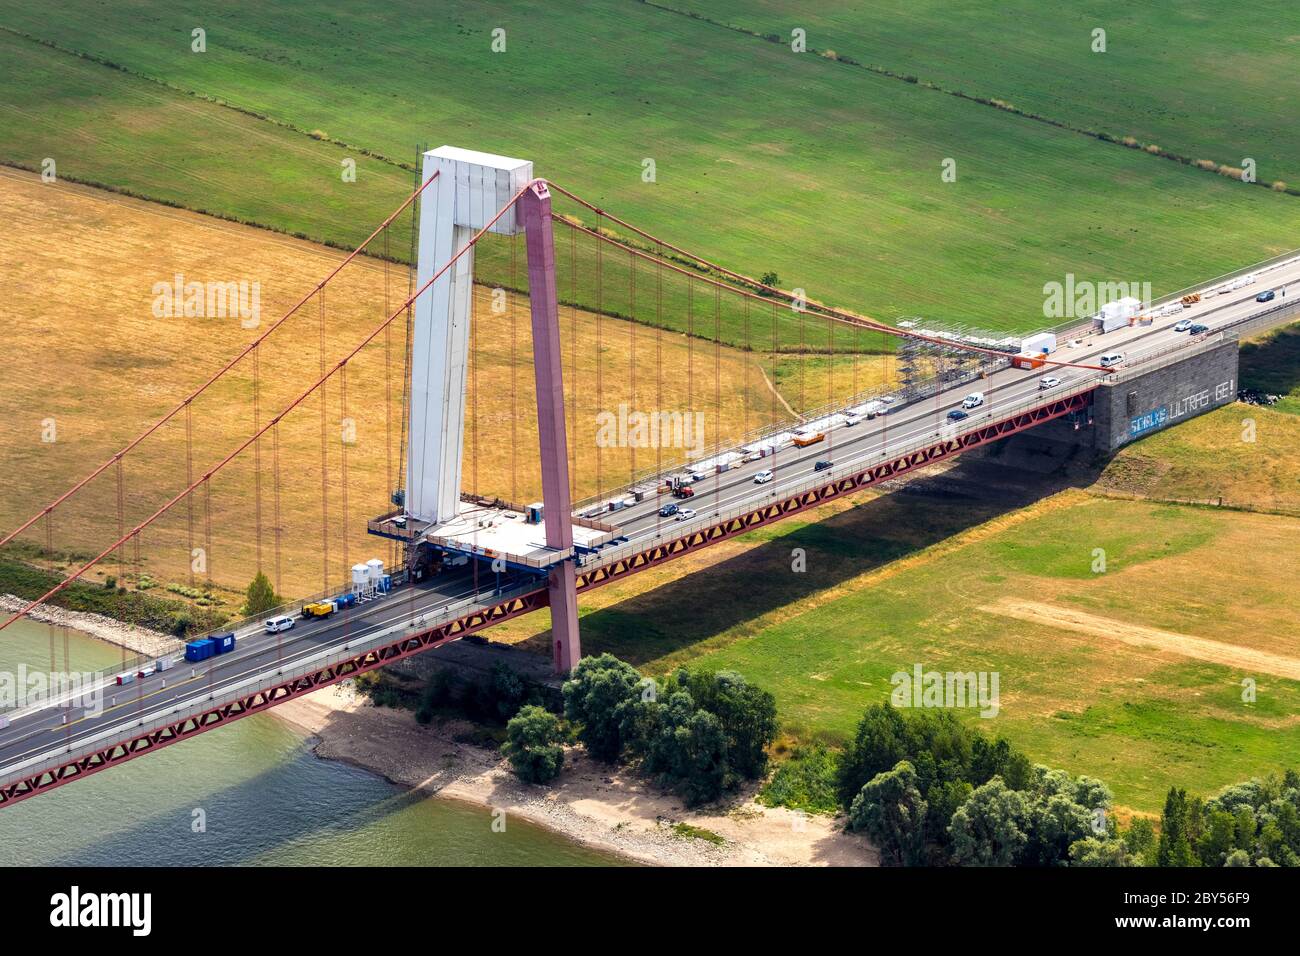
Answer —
1152 395
535 212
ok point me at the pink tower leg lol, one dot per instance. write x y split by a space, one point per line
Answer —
535 212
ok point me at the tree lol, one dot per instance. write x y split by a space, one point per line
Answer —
943 800
879 744
1175 847
989 828
260 596
533 744
1217 839
507 691
891 811
1055 823
997 758
596 697
690 751
1096 851
747 714
1246 825
1140 838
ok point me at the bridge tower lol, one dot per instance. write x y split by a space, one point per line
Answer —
471 187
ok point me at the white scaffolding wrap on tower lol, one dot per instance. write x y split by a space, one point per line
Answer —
470 189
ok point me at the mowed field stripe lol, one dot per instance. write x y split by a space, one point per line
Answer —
1137 635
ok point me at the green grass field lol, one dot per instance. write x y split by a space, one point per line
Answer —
829 175
1140 720
765 160
1188 77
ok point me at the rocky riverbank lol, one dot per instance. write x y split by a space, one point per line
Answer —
140 640
591 803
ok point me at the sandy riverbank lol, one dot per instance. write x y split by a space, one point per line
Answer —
141 640
590 803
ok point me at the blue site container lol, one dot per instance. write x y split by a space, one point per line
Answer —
200 650
345 600
386 583
222 643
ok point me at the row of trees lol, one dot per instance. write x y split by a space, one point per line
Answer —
697 734
927 790
1256 823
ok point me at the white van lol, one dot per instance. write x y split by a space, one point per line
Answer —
1111 358
973 400
275 625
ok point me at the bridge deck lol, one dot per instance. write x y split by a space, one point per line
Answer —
52 745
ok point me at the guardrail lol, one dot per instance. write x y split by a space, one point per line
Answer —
1260 320
1244 324
94 680
659 476
308 663
838 470
1082 325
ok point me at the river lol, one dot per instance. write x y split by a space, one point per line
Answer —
251 793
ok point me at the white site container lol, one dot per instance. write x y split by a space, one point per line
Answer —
1040 344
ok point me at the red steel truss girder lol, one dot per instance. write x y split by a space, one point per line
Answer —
147 742
876 473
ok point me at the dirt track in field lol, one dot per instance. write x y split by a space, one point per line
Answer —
1147 638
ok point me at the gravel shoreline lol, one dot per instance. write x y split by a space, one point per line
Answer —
141 640
606 808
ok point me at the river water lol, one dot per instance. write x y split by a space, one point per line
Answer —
250 793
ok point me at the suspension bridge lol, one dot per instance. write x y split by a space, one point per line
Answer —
871 402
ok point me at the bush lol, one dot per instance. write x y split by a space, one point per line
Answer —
804 782
532 744
441 689
507 692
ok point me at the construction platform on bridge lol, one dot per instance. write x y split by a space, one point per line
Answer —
492 529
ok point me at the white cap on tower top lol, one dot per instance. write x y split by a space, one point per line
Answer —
483 183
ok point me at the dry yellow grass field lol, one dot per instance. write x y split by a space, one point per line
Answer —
91 366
